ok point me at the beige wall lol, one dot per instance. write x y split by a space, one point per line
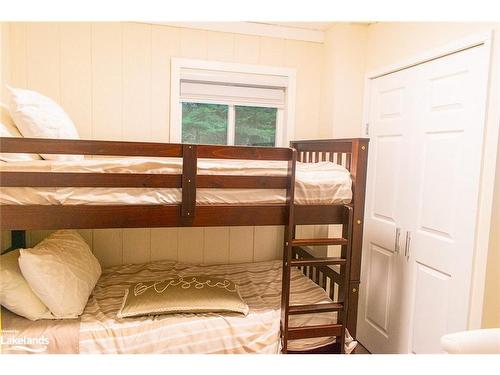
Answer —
114 81
390 43
4 71
4 56
344 59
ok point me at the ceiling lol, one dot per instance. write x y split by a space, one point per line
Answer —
316 26
320 26
305 31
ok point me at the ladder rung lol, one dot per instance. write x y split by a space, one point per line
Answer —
316 308
316 261
318 241
307 332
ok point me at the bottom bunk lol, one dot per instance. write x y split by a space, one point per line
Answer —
100 331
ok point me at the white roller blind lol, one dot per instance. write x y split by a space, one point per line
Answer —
232 87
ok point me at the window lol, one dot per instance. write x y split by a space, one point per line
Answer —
231 104
222 124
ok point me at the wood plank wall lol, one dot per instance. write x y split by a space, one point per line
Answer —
113 79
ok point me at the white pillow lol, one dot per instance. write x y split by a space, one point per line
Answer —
8 129
62 271
38 116
15 293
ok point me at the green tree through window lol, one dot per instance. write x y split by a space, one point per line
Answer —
204 123
208 124
255 126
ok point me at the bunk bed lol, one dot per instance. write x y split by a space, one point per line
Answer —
337 276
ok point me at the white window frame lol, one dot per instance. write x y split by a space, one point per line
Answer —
285 118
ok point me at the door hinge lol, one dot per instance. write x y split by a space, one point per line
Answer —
367 129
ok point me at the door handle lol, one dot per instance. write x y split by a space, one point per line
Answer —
407 245
396 241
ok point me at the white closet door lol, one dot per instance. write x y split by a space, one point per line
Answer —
445 179
391 115
424 176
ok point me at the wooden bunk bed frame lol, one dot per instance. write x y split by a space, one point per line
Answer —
352 153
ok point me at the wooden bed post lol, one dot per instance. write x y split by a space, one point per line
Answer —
358 174
287 250
352 154
345 270
189 172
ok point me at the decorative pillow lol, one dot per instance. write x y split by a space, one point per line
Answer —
8 129
15 293
62 271
38 116
187 294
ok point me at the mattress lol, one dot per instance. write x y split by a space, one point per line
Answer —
316 183
258 283
100 331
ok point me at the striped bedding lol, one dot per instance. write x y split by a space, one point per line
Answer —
259 285
316 183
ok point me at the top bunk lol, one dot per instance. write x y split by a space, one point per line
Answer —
149 184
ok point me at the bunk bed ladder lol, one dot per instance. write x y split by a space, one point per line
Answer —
296 255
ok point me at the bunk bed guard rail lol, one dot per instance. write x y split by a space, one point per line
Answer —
187 213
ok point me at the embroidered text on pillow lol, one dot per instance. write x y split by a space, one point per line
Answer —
162 285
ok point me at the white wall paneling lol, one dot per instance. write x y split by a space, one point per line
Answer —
76 74
107 84
113 79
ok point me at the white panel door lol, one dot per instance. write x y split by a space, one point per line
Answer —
424 176
380 292
445 179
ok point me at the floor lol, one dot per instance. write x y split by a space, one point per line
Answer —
360 349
